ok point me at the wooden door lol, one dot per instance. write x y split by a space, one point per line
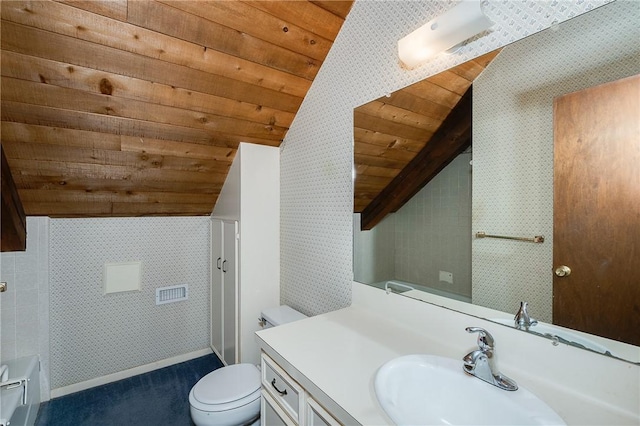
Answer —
597 210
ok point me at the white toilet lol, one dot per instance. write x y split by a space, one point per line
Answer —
230 396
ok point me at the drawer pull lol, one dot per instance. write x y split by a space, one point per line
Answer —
273 383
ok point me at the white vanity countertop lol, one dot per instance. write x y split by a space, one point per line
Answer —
339 353
335 356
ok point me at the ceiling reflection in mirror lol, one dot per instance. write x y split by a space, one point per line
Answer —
496 178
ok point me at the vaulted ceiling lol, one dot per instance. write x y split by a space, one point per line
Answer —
136 107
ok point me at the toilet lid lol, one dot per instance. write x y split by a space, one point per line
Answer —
227 384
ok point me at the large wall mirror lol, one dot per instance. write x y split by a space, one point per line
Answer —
497 177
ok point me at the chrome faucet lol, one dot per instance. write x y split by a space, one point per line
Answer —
481 362
522 319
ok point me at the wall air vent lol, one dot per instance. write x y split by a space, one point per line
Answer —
174 293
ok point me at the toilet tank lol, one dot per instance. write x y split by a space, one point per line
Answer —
279 315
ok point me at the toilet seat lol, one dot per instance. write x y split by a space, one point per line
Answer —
226 388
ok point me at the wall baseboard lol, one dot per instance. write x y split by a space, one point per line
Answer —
114 377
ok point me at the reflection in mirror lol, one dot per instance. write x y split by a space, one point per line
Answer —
502 184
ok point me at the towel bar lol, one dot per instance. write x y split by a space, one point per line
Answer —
537 239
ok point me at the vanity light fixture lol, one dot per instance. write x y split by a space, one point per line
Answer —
444 32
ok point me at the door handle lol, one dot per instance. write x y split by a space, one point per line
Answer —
223 266
563 271
218 262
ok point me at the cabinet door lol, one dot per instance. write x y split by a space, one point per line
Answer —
271 414
230 291
216 302
318 416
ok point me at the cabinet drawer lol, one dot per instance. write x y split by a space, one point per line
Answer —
284 390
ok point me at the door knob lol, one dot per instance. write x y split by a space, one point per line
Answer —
563 271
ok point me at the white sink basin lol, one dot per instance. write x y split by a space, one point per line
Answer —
431 390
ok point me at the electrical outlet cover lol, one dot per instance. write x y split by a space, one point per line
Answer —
446 277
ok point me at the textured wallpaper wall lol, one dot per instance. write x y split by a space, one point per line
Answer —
317 154
374 251
513 146
92 334
433 231
427 235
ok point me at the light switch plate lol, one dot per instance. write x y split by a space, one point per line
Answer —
446 277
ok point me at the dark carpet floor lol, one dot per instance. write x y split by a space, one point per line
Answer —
155 398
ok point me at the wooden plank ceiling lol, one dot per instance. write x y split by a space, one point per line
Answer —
136 107
403 140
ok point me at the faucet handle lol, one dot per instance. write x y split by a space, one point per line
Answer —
485 340
522 319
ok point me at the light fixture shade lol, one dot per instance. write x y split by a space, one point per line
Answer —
458 24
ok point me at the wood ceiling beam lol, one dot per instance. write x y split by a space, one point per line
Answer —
13 221
452 138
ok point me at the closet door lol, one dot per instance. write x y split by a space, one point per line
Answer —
230 291
216 302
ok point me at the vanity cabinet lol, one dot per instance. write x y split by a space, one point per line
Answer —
285 402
